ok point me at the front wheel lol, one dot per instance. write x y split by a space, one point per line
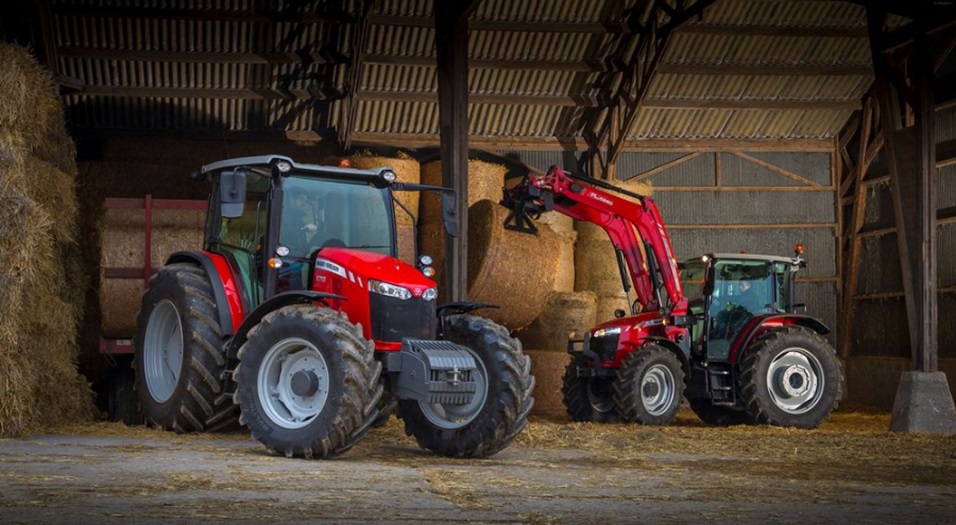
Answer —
307 382
499 409
649 386
588 398
790 378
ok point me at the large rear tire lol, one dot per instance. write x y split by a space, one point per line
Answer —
649 386
500 409
307 382
588 398
790 378
179 357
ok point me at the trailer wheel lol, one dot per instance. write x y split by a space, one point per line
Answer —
500 410
718 415
790 378
588 398
649 386
178 353
307 382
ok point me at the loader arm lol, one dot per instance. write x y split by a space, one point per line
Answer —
605 205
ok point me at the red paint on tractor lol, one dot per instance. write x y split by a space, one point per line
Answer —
233 298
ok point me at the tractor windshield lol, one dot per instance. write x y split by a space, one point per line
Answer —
319 213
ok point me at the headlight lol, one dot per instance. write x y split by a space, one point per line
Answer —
614 330
430 294
389 290
425 260
428 271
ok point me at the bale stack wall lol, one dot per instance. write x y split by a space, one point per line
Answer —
41 282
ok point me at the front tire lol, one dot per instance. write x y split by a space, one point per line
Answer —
179 357
588 398
307 382
790 378
649 386
502 401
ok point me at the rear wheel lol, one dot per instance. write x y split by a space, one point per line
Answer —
499 410
718 415
649 386
178 358
790 378
307 382
588 398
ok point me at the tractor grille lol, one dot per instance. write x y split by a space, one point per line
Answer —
605 347
394 319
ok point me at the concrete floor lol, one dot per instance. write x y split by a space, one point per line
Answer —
108 474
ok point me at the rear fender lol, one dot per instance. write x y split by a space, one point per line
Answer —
224 288
278 301
760 324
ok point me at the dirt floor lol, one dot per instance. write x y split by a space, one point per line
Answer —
850 470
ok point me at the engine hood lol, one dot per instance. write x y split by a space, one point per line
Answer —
358 264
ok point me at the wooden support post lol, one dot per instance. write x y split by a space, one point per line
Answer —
451 42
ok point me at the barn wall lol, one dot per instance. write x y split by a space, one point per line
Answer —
880 348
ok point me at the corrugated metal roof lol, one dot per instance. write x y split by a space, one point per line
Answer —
221 56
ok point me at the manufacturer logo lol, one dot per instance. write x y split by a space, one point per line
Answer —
601 198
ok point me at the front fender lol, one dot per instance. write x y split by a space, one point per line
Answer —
278 301
763 322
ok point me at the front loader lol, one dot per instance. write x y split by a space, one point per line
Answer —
297 320
737 349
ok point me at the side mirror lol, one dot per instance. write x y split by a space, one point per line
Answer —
449 213
232 193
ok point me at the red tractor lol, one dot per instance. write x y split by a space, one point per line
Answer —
737 349
298 321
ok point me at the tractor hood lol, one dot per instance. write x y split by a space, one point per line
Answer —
361 266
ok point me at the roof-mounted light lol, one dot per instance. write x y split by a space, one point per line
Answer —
389 176
283 166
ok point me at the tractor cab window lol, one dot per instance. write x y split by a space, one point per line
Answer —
240 239
692 276
319 213
742 289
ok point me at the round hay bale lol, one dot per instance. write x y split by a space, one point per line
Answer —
547 367
558 222
596 269
607 304
564 282
485 181
563 314
513 270
123 245
588 232
406 242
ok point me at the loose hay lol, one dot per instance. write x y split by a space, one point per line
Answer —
513 270
40 287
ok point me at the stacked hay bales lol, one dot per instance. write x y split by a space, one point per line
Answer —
407 170
41 282
123 245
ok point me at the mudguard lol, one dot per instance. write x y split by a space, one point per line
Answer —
754 326
276 302
224 288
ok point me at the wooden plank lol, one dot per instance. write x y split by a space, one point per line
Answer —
807 70
738 30
203 57
213 15
608 27
749 104
431 97
583 66
776 169
664 167
215 93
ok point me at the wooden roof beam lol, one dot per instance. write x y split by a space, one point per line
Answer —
202 15
756 70
510 26
312 93
739 30
544 65
216 57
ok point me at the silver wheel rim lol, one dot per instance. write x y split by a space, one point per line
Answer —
658 389
795 381
163 350
280 366
449 416
597 396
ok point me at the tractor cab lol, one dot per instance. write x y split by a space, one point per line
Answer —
727 291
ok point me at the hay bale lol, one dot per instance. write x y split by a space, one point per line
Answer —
406 169
123 245
596 268
485 181
563 314
513 270
40 289
564 281
547 367
606 304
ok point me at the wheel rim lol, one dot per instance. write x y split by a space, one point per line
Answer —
658 389
599 396
293 383
795 381
450 416
163 351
